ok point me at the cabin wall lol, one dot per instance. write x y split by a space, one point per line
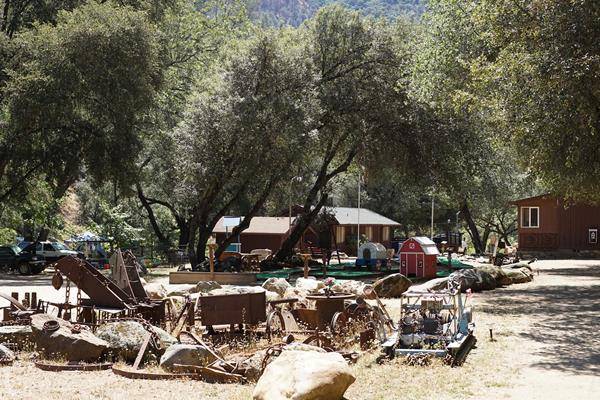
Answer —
251 241
575 222
546 237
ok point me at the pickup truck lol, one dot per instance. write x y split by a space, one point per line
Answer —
51 251
26 262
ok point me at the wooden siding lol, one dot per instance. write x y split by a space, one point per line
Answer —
562 226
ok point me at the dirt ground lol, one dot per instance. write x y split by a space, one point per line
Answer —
546 346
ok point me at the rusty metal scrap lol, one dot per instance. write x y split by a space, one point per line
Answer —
72 366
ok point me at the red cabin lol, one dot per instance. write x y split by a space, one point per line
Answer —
418 258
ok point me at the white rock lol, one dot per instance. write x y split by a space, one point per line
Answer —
311 285
277 285
186 354
304 375
156 291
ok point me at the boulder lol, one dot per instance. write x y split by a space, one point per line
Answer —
180 290
125 338
156 291
243 290
300 294
488 281
304 375
65 342
308 284
277 285
206 286
19 335
429 286
521 275
228 289
392 285
6 354
186 354
474 279
297 346
252 366
354 287
467 278
496 272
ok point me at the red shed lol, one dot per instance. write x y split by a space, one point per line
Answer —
418 258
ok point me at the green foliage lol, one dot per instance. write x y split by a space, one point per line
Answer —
528 73
7 236
113 223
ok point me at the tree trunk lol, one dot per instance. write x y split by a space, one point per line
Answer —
245 224
157 231
477 243
203 236
301 225
184 232
192 243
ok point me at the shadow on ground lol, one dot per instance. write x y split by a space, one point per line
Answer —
14 279
565 319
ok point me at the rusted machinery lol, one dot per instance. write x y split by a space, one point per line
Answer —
229 310
106 298
333 315
433 323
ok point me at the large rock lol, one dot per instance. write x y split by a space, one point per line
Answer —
300 294
186 354
430 286
65 342
392 285
19 335
350 286
206 286
310 285
252 366
125 338
277 285
521 275
473 279
496 272
304 375
180 290
6 354
244 290
156 291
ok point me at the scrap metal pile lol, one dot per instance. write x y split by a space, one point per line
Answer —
206 336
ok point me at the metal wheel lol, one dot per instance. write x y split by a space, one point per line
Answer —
339 324
275 324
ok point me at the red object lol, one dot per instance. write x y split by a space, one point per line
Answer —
106 266
418 258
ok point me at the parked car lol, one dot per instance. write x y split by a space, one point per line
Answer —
26 262
51 251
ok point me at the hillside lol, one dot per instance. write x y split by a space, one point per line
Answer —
294 12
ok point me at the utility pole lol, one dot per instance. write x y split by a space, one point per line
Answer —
358 217
432 209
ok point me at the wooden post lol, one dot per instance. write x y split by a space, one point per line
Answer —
211 257
305 258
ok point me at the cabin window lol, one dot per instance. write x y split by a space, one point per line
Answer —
530 217
369 232
340 234
385 233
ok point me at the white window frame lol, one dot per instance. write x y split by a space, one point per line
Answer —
529 216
